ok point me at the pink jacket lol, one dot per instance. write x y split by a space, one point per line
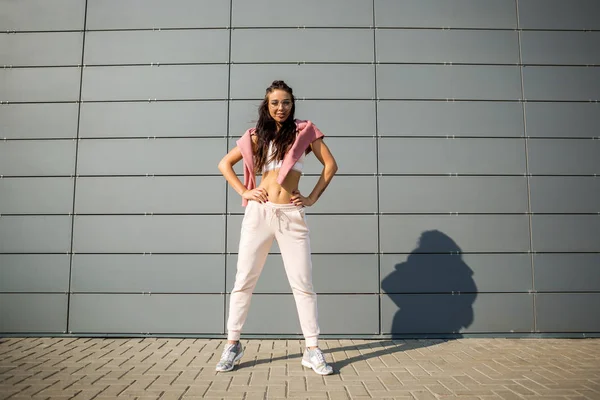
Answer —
307 133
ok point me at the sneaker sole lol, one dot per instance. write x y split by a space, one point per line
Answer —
308 365
236 359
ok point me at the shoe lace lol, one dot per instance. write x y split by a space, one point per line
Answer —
228 353
318 354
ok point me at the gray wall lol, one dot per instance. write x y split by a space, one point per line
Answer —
466 132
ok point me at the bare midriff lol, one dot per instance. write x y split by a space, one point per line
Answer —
280 194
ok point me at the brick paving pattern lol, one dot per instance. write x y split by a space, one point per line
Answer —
172 369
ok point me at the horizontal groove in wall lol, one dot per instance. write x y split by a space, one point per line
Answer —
447 100
457 253
158 214
376 27
449 174
34 292
151 293
440 136
299 62
301 99
323 336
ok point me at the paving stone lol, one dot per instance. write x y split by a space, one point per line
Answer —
169 369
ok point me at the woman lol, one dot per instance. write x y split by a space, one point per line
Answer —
276 147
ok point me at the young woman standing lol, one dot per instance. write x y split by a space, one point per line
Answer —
276 148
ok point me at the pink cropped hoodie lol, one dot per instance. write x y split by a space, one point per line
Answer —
307 133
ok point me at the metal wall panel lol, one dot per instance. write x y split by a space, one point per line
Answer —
308 13
147 14
137 313
465 194
302 45
557 14
42 49
234 200
567 312
33 313
447 46
562 119
37 158
34 273
340 118
458 313
243 114
497 14
335 309
442 118
149 234
42 15
172 194
166 82
359 272
452 233
145 47
332 117
565 233
163 119
40 84
453 273
564 156
441 82
36 196
345 194
35 234
160 105
556 48
333 314
160 156
573 194
173 273
444 156
567 272
360 233
561 83
352 155
38 121
311 81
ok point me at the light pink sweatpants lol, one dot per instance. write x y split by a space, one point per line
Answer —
287 224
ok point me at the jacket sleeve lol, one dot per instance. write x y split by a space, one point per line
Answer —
308 134
245 145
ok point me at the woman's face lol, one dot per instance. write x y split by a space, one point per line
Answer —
280 105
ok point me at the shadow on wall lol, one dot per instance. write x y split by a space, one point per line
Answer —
433 289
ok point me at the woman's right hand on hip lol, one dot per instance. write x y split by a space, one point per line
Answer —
258 194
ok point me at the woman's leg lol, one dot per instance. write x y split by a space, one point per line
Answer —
294 243
255 241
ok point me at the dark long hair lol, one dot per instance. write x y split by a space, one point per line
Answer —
266 130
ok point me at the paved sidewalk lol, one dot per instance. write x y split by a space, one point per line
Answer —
168 369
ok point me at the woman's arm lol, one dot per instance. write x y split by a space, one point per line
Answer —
329 169
226 167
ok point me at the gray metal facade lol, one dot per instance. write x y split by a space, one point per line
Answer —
466 132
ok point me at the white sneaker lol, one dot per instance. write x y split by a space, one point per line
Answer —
316 360
231 354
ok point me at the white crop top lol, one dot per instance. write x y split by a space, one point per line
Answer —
277 164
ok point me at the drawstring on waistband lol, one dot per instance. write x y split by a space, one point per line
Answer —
279 214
